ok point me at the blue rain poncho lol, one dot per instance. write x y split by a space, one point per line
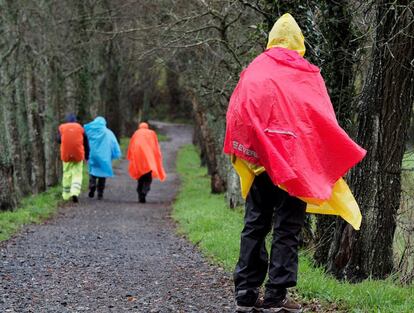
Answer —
103 148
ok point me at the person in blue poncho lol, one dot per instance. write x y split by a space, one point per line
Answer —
104 148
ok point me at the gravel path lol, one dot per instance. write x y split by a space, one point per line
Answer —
114 255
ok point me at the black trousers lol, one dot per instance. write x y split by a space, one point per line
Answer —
268 205
97 183
144 185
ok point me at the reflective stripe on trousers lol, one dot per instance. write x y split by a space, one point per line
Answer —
72 179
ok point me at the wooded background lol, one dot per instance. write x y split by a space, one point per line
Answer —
179 60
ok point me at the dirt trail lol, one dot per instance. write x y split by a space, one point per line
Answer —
114 255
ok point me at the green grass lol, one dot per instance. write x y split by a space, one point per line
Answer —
203 216
408 161
33 209
162 137
404 236
205 220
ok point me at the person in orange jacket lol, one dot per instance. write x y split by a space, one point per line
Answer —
74 149
145 160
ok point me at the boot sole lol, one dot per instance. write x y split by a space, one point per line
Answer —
278 310
245 309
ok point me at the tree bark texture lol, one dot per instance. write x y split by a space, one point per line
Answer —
54 97
9 106
7 193
209 148
35 131
383 124
339 54
233 194
110 90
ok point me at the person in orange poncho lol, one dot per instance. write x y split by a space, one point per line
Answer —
145 160
74 149
290 153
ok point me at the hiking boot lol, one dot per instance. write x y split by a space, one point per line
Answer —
100 196
142 199
91 194
242 308
75 199
247 301
285 305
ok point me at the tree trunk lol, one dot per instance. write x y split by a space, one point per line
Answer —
338 48
53 96
218 185
233 194
84 79
9 107
24 137
7 192
110 90
35 132
325 231
383 123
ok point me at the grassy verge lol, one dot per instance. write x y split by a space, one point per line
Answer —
32 209
408 161
404 236
206 221
162 137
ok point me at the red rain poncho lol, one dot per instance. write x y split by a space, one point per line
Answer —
280 117
144 154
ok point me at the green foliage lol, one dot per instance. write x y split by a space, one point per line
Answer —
33 209
408 161
368 296
162 137
208 223
203 216
404 236
161 83
124 145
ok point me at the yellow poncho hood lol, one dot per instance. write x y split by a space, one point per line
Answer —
286 33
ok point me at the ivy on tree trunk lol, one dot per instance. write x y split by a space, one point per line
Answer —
386 108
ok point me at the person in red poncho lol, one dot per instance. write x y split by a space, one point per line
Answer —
145 160
290 153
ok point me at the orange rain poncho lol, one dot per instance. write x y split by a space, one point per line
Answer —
144 154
